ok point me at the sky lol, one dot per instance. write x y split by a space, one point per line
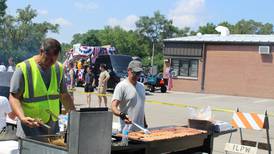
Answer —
79 16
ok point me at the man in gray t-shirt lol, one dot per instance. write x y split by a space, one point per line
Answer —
128 101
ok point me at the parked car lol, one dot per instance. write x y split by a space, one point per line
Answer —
116 66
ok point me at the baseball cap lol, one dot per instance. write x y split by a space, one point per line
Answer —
136 66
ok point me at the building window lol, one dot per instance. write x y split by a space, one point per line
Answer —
185 67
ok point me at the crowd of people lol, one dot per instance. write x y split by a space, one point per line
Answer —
85 74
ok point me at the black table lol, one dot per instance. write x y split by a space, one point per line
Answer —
184 145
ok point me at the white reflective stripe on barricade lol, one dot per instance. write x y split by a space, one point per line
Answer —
248 120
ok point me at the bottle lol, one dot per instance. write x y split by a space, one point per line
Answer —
125 135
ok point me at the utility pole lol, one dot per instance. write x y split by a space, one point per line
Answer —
152 57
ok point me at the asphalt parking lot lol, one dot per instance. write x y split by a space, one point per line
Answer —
169 109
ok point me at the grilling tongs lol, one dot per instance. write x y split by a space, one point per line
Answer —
146 131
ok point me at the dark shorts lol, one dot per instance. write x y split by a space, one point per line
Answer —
89 88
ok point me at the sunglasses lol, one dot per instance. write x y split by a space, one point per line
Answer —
136 73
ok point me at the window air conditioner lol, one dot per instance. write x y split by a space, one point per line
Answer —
265 50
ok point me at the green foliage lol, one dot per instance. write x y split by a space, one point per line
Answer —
126 42
155 29
241 27
3 8
65 47
252 27
20 37
89 39
209 28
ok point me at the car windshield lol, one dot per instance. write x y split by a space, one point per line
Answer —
120 63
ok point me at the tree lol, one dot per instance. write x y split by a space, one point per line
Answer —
228 25
20 36
267 28
241 27
209 28
252 27
126 42
3 8
65 48
89 38
155 29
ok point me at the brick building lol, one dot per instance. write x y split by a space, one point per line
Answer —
233 65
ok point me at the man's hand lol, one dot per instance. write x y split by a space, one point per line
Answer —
114 107
128 120
67 101
125 118
30 122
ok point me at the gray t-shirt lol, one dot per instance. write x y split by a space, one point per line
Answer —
17 83
132 101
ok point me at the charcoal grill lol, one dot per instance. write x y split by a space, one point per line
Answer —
178 144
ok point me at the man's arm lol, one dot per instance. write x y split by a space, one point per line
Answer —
15 104
16 92
67 101
114 107
65 97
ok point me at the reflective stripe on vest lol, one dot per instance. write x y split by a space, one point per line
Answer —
41 98
37 98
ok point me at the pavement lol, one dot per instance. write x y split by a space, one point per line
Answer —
164 109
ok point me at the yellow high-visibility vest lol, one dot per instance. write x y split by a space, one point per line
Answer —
37 99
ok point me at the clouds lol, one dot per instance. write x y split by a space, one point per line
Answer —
187 13
62 22
86 6
43 12
128 23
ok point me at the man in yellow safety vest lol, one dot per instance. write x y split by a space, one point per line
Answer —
36 87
